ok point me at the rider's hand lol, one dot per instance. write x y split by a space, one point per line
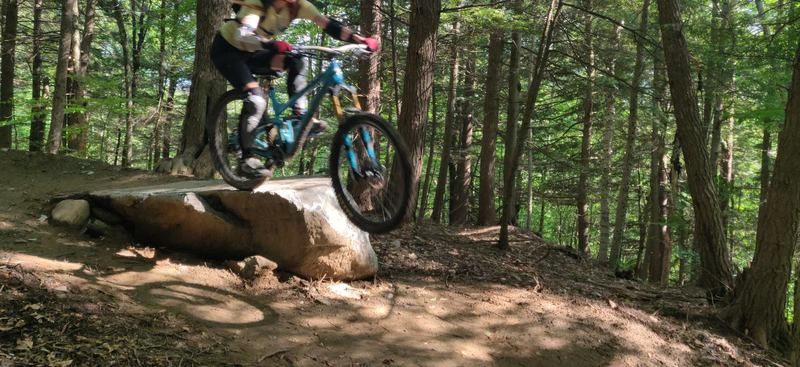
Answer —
372 44
280 47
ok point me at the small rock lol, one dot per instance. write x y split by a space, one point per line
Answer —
71 213
252 266
412 256
97 228
20 241
396 243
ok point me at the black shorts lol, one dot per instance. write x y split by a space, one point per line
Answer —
239 66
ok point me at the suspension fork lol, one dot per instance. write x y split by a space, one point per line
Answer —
365 133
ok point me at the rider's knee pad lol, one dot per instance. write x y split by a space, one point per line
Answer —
255 103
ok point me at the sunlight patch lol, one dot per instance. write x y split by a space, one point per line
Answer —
30 262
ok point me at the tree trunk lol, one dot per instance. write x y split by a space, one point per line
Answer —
162 79
608 152
36 139
395 83
529 219
759 303
540 64
586 140
766 145
370 82
514 89
460 210
423 207
207 86
709 236
722 74
9 45
630 144
658 245
449 124
417 85
766 141
114 8
139 28
491 108
69 23
512 115
79 138
166 145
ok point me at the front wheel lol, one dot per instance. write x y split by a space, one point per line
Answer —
371 173
222 128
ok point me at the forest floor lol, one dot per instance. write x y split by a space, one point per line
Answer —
443 297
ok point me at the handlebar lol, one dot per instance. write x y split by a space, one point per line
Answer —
356 49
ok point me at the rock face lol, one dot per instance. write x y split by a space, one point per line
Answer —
295 222
71 213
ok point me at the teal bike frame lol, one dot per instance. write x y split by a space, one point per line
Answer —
293 133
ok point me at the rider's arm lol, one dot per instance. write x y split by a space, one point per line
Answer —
341 32
332 26
246 34
336 29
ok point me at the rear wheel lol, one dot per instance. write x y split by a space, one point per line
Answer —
371 173
223 131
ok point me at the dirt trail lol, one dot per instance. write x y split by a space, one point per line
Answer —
443 298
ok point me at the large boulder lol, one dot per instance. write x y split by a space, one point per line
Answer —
295 222
71 213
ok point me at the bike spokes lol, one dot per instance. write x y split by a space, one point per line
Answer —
376 193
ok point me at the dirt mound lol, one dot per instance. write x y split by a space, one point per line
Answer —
443 297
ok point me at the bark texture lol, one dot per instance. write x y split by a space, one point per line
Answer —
463 160
659 245
370 82
449 124
760 299
69 24
207 86
36 138
709 236
417 86
78 140
620 219
491 108
608 153
586 140
539 66
9 45
512 115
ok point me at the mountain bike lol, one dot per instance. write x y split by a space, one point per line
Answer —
368 164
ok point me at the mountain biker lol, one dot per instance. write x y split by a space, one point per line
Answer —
246 44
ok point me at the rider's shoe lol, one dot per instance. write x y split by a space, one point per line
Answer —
253 168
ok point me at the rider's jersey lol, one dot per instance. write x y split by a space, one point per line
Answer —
273 23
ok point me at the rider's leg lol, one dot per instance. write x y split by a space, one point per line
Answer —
232 64
254 106
296 81
296 78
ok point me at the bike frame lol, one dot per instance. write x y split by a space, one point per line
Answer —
333 79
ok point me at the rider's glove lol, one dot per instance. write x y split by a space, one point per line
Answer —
279 47
372 44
